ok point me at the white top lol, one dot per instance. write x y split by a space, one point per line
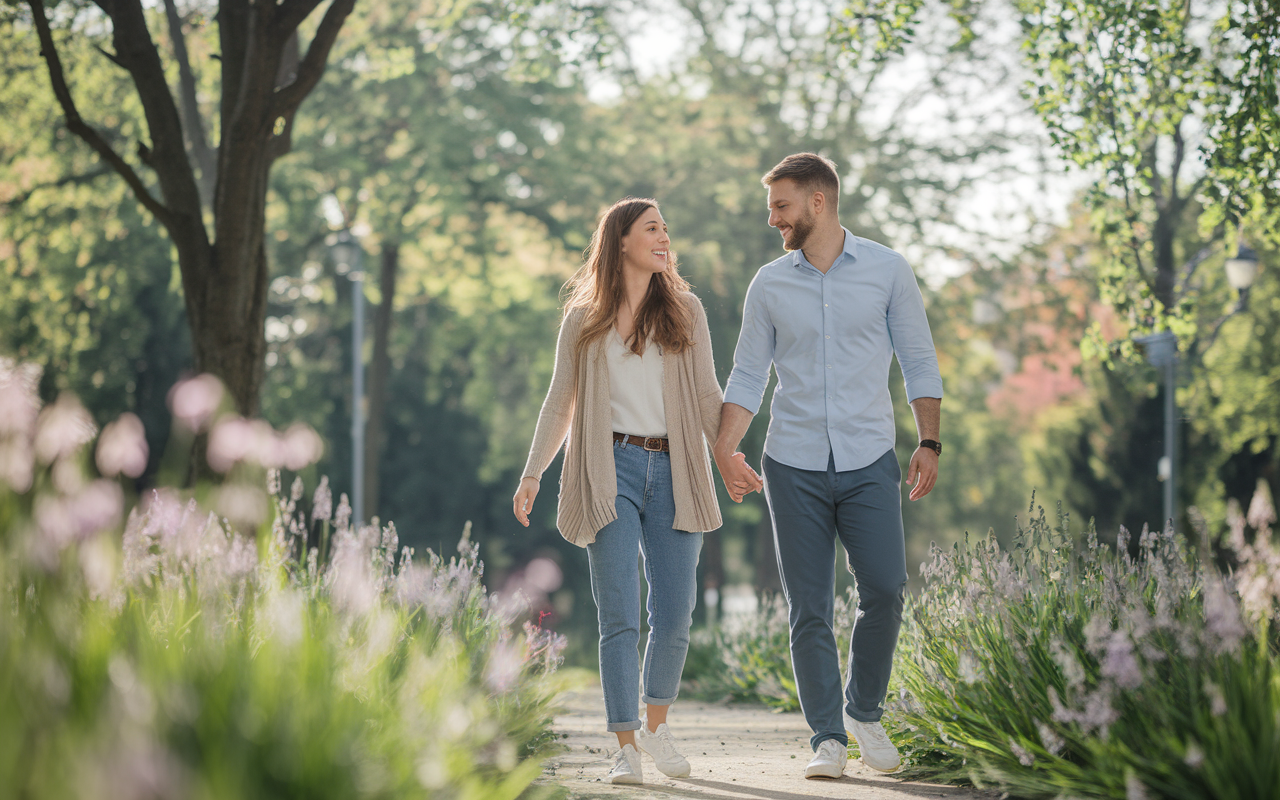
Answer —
635 388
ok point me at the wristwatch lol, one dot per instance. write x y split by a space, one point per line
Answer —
932 445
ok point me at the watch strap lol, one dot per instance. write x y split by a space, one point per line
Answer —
932 444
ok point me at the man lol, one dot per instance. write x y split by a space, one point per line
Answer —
828 317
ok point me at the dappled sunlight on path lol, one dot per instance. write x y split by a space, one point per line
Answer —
737 752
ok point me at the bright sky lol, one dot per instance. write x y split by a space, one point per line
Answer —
1001 209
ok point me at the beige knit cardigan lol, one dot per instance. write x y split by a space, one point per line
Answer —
579 401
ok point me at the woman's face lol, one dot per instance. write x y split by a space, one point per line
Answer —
646 247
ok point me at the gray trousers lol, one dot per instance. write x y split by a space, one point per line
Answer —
863 508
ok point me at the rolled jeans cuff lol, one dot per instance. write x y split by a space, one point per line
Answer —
614 727
654 701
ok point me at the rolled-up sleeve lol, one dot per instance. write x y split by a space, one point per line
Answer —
909 333
754 354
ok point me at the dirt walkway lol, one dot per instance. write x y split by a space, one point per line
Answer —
738 752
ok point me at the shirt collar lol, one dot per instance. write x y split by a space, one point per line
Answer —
850 250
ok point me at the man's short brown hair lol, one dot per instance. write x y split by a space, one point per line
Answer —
811 172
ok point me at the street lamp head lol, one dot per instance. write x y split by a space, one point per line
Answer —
346 252
1242 268
1160 348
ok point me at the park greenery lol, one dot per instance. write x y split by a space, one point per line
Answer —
160 649
469 145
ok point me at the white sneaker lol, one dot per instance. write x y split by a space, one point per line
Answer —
626 766
874 747
661 747
829 761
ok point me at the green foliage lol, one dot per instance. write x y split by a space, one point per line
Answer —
1121 88
748 657
1053 669
186 659
87 287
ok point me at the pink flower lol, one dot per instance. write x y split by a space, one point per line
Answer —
302 446
1119 664
322 501
94 508
16 467
19 401
231 441
63 428
544 575
1262 512
122 447
243 504
194 401
1222 624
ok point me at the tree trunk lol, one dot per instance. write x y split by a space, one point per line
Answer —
379 371
224 276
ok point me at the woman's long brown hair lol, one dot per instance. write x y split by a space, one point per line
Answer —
663 317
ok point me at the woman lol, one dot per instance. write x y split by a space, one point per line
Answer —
635 383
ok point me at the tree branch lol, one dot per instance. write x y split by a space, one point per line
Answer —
79 127
68 180
290 97
290 14
194 127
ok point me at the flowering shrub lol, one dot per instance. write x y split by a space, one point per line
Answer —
186 659
1055 670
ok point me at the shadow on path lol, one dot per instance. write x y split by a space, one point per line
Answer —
737 752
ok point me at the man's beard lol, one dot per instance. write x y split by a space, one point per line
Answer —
801 229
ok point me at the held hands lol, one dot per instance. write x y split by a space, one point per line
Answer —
922 473
739 477
522 503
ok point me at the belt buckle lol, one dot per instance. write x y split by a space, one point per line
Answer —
657 448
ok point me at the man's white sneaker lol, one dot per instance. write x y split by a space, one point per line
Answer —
626 766
874 747
661 747
829 761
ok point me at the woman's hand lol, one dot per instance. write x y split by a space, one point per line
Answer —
522 503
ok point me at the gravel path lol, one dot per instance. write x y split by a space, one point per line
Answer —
738 752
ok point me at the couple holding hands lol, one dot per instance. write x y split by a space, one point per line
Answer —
634 393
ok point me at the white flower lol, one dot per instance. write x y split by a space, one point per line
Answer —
322 501
1050 739
1262 512
1222 623
1217 702
1194 756
1119 663
1024 757
1133 788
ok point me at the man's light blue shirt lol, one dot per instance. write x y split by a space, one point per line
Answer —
830 337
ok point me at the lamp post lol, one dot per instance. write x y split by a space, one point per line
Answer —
347 257
1242 270
1162 352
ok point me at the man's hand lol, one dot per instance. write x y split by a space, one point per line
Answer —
739 477
922 474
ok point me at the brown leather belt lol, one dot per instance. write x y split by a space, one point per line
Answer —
651 443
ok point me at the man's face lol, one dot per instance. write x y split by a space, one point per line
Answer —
791 212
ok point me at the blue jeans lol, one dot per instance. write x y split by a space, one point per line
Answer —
863 508
646 511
